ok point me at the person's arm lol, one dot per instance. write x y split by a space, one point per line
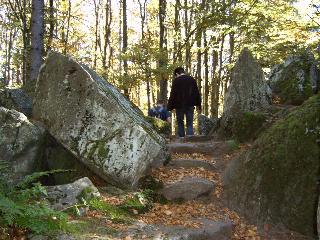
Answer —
173 95
197 95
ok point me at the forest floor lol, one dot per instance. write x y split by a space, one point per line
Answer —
185 213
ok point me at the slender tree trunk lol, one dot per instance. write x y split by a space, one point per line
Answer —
51 23
231 49
96 11
186 28
163 49
124 48
206 75
66 39
217 95
146 66
214 85
177 56
37 30
107 33
25 44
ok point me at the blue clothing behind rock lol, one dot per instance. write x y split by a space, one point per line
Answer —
159 112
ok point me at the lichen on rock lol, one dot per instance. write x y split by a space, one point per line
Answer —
295 80
95 122
276 180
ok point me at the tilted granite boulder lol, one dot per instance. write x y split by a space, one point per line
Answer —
276 180
94 121
21 145
248 91
295 80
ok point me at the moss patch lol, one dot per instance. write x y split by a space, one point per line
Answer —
247 125
162 127
276 180
287 88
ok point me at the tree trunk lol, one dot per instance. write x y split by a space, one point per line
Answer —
51 23
177 56
96 12
214 85
37 30
217 94
206 75
124 48
107 33
66 35
163 49
231 49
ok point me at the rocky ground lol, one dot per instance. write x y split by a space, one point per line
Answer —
195 209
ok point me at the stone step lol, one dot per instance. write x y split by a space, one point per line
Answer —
209 230
189 188
191 163
215 148
194 138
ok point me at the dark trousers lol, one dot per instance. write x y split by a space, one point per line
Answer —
188 112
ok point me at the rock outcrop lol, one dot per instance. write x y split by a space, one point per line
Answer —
248 91
276 180
21 145
16 98
295 80
67 195
206 124
95 122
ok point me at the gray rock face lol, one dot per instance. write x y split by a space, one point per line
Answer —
20 144
296 79
206 125
248 90
318 218
188 188
94 121
209 230
64 196
16 98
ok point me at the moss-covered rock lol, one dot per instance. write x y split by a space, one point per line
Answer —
162 127
248 125
276 180
291 81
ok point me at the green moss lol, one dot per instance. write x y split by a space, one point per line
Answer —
277 179
287 88
114 213
162 127
247 125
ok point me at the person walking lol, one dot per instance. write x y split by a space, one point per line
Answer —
184 96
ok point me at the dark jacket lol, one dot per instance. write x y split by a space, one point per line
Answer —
184 93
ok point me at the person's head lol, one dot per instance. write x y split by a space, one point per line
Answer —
179 71
160 103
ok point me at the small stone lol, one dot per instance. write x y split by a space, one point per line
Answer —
67 195
188 188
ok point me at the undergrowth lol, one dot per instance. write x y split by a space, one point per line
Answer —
22 206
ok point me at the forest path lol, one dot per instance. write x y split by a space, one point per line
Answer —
195 208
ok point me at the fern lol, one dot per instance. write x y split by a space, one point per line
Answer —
21 206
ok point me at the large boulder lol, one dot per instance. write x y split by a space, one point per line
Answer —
206 124
21 145
276 180
248 91
16 98
295 80
95 122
